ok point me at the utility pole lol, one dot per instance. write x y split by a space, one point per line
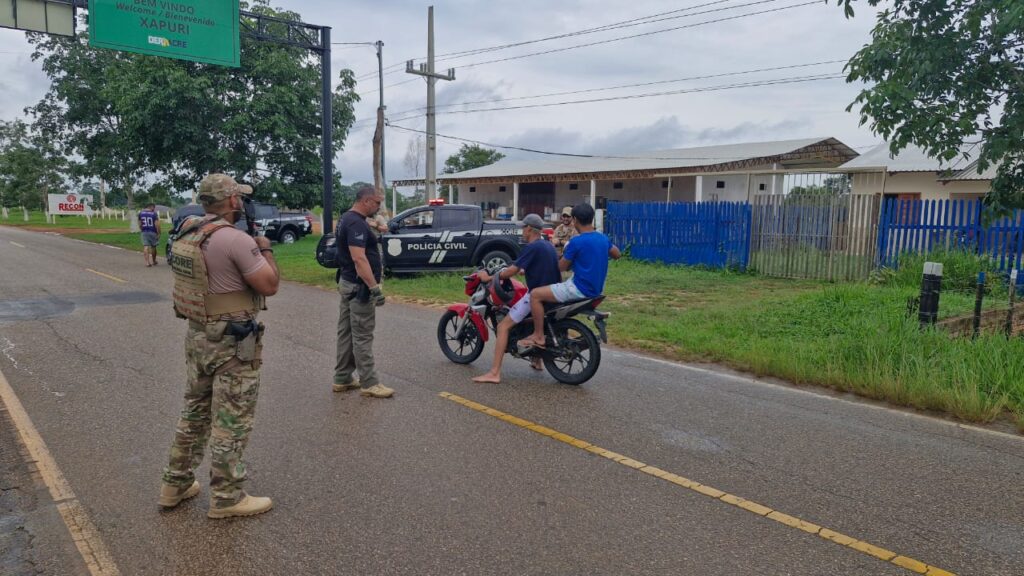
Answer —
380 131
427 70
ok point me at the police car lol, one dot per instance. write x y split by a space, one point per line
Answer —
440 236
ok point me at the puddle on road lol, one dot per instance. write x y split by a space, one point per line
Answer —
20 310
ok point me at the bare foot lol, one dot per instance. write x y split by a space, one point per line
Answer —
530 342
488 378
536 364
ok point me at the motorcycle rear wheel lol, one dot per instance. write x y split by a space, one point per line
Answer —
461 349
577 356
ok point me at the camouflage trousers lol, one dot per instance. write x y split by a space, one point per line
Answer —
220 406
356 322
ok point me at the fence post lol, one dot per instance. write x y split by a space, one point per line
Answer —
978 298
931 287
1013 300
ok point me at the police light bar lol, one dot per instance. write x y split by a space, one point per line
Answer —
436 202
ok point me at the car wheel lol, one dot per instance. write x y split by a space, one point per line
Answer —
288 237
495 259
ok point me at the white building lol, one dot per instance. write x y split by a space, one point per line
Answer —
733 172
913 175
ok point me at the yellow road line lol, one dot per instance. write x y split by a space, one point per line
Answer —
18 245
748 505
107 276
84 534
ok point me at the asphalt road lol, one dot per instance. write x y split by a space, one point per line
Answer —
421 484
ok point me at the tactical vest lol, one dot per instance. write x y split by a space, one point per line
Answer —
192 297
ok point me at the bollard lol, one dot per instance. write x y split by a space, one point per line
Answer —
931 286
1013 299
978 298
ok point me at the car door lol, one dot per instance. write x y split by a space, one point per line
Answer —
414 240
460 234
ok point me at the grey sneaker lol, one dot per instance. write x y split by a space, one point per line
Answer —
377 391
353 385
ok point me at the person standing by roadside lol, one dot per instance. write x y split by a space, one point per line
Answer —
222 277
149 226
359 273
564 232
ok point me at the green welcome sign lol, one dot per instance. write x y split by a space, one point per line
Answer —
196 30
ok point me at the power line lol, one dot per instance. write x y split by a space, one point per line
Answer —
612 26
685 26
617 39
621 86
774 82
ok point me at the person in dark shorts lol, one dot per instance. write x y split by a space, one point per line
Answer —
149 225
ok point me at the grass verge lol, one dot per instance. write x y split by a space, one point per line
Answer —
853 337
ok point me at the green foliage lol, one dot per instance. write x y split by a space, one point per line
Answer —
959 271
30 167
128 114
468 157
942 73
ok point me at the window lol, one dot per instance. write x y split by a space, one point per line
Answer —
501 188
664 183
472 188
574 186
720 184
417 220
458 219
617 186
760 186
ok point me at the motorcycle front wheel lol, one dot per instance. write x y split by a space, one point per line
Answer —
576 357
461 349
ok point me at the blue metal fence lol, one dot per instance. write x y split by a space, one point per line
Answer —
715 234
922 226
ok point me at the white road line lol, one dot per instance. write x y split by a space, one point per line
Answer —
18 245
772 385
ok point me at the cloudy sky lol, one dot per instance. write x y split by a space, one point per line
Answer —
707 38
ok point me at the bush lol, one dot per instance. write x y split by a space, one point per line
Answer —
959 271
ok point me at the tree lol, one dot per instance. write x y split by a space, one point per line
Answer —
128 114
945 73
30 167
468 157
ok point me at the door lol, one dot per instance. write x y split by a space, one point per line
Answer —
461 233
413 243
534 197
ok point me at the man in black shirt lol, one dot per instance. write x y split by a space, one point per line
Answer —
359 269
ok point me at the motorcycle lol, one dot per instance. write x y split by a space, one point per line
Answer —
572 352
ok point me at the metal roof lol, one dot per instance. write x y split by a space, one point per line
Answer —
825 152
910 159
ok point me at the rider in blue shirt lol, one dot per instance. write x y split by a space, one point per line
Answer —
587 254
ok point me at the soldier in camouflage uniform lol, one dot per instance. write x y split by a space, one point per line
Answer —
221 279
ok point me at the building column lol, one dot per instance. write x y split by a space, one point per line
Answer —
593 194
455 194
698 189
515 201
668 194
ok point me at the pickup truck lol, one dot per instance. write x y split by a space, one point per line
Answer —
283 227
448 237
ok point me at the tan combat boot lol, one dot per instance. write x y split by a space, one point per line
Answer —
377 391
247 506
353 385
171 496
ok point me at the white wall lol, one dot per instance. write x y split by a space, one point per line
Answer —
924 183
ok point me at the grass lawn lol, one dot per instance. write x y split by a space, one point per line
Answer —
853 337
38 219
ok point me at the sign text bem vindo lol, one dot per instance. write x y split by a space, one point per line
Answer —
196 30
